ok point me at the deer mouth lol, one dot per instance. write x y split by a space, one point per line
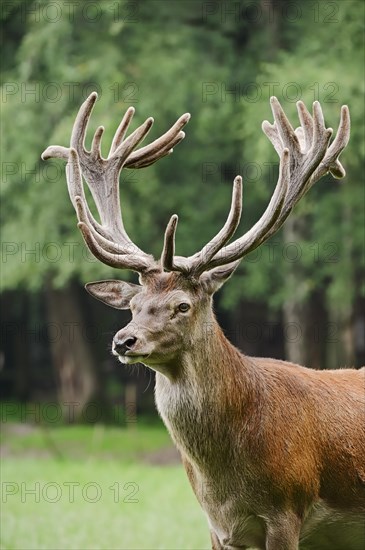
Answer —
130 357
135 354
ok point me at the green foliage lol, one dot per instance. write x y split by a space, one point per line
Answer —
191 66
330 250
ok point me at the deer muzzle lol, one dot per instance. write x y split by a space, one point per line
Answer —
122 347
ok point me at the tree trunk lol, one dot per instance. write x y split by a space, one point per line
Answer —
15 356
71 352
295 309
305 318
341 338
295 321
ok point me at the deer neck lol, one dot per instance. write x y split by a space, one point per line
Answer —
199 406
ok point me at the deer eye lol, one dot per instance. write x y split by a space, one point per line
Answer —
183 307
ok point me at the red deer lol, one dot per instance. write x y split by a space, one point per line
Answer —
275 452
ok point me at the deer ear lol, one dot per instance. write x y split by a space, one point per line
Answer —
114 293
215 278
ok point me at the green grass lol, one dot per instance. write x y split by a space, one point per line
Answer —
137 505
85 441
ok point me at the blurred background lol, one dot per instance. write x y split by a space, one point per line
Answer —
68 408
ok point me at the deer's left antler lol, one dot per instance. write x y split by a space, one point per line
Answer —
305 156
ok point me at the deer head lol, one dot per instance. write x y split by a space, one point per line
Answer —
171 308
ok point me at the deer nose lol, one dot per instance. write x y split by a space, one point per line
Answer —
122 346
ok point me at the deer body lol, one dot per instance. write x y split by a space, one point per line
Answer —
275 452
274 471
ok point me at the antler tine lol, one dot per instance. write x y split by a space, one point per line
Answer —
257 234
80 125
168 251
284 128
133 262
76 188
321 136
160 147
124 150
202 259
330 162
271 132
343 135
275 136
306 122
95 151
77 134
55 152
152 157
122 130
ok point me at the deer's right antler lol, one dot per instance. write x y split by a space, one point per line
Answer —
108 240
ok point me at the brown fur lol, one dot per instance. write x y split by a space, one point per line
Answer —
275 452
